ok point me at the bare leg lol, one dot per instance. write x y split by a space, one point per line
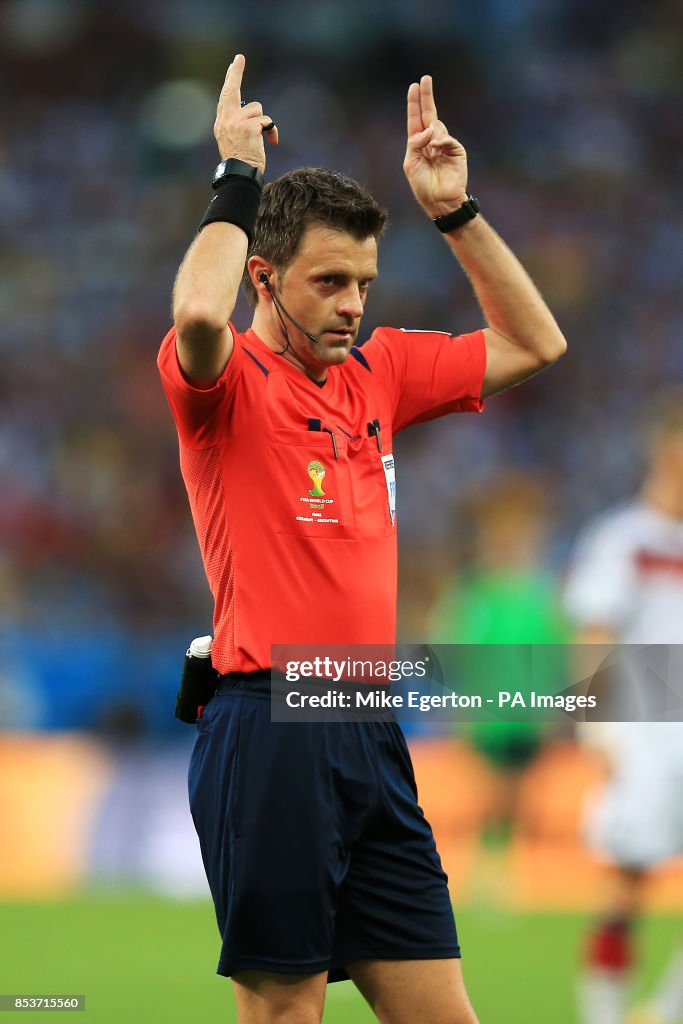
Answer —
406 991
268 998
605 984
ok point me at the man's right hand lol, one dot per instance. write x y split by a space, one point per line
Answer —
209 277
239 129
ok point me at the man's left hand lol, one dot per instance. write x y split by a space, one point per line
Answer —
435 163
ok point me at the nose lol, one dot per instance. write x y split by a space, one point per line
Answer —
350 302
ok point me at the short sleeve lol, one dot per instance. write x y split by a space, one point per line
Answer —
602 579
199 414
431 373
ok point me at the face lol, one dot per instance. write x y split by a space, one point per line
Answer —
324 289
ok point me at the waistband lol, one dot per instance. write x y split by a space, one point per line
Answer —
257 683
260 685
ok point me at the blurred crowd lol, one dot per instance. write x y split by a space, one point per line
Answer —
570 112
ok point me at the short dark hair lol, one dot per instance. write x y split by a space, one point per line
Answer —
309 195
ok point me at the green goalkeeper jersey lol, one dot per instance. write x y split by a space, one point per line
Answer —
499 611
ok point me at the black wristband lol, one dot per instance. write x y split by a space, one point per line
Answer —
236 202
450 221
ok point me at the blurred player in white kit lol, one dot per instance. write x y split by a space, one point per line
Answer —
625 586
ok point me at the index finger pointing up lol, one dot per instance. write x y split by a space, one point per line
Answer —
233 80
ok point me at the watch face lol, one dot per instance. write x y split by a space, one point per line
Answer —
233 166
220 171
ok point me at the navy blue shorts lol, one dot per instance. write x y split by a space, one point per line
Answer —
316 851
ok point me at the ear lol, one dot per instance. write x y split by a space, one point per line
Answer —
257 266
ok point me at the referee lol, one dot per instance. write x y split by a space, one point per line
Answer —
320 862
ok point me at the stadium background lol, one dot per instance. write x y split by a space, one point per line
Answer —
570 112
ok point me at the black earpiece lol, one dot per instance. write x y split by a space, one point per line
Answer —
264 278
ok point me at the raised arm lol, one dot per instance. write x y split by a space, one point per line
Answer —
206 287
522 336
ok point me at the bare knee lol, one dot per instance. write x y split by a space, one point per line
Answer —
265 998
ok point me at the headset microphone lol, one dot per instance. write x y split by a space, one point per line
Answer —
264 279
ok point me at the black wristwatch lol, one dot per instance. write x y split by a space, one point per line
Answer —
233 166
468 211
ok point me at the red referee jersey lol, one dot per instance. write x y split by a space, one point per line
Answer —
292 486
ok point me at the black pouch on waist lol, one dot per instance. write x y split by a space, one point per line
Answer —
197 686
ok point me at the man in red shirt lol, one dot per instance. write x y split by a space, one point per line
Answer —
320 862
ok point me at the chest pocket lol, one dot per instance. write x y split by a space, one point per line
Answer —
312 492
328 485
